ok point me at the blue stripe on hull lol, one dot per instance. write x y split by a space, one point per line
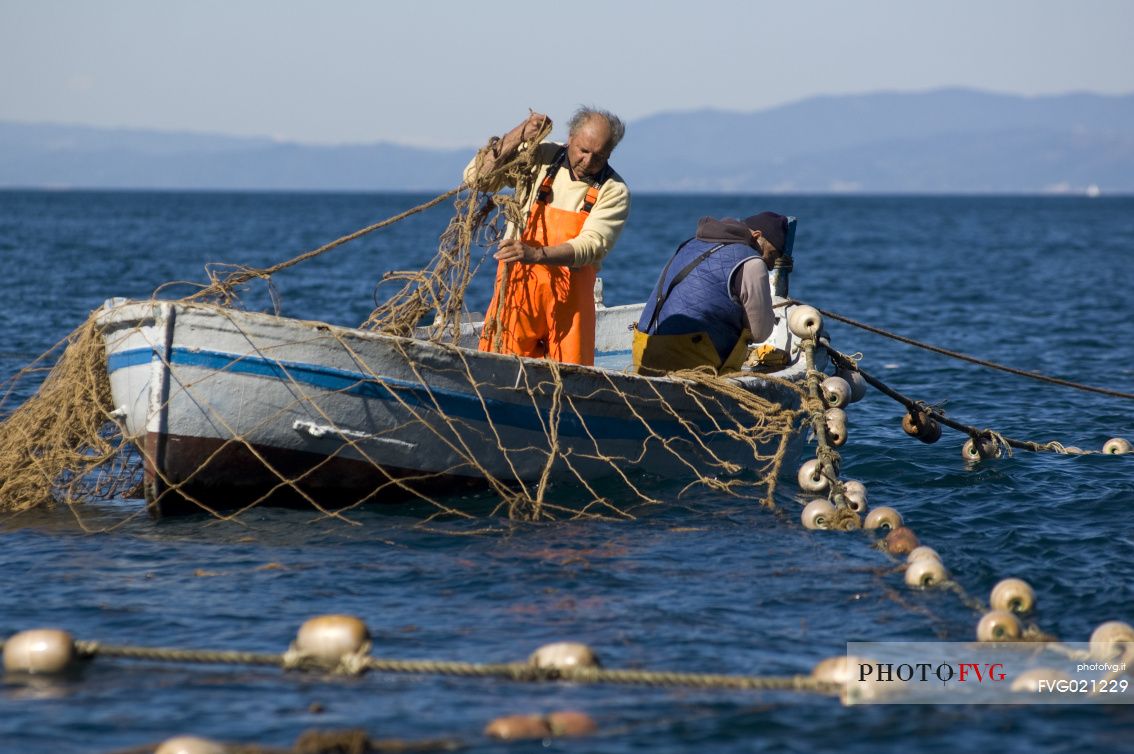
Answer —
452 403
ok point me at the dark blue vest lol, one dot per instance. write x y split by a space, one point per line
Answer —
703 301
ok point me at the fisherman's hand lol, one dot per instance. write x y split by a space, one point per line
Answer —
530 129
514 250
527 132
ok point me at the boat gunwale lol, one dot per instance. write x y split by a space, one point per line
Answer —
117 313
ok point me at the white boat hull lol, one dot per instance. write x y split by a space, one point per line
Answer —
233 408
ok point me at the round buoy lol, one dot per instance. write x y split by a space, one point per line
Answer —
900 541
844 671
518 727
1028 682
328 638
883 517
189 745
836 421
811 478
838 669
974 451
999 625
855 380
804 321
922 551
817 514
855 493
40 651
1013 595
571 723
925 572
1111 640
835 392
931 432
921 425
911 424
1117 446
564 655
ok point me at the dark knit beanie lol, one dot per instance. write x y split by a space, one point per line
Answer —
773 226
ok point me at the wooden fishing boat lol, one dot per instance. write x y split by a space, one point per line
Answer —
232 408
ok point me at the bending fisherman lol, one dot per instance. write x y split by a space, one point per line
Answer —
713 298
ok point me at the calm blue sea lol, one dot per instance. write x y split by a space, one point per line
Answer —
708 583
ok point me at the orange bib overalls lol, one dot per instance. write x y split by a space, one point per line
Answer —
549 310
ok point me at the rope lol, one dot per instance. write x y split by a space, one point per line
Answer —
223 287
514 671
829 459
91 649
973 359
244 275
978 435
526 672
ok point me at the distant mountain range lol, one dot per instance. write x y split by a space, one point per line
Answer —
944 141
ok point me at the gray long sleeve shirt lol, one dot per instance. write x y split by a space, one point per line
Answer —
750 287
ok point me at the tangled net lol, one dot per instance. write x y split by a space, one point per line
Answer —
69 444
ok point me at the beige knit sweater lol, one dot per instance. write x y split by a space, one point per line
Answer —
606 219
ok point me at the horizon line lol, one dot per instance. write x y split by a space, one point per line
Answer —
1085 193
268 138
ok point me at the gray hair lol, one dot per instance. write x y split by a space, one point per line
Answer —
584 114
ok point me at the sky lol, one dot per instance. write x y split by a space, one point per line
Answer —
451 73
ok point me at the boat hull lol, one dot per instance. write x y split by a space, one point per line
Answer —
232 409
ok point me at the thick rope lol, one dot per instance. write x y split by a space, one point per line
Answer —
973 359
91 649
978 435
530 673
514 671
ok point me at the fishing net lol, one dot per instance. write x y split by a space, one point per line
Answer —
403 407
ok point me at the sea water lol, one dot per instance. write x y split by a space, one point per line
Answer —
704 583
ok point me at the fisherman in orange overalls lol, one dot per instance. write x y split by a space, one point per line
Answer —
574 216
